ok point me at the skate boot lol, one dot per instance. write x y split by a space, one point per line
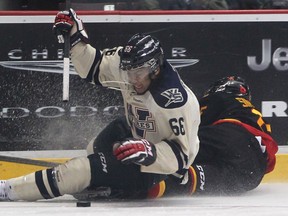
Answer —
3 192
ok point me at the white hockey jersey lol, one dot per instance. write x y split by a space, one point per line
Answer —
167 114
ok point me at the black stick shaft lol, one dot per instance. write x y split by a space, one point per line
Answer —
28 161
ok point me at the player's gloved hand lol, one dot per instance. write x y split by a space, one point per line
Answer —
67 22
138 151
62 25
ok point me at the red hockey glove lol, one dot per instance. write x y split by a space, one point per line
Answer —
62 25
68 22
138 151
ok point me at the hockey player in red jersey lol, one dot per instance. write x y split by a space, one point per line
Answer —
236 146
157 137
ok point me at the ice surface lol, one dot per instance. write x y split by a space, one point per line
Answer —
267 200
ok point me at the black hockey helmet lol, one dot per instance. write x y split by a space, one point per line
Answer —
232 85
142 50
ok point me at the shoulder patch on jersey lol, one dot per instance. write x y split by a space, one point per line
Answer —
173 95
168 91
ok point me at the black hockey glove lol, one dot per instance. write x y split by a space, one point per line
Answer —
138 151
67 22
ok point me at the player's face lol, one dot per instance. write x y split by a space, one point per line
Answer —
140 79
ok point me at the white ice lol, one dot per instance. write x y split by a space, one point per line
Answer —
268 199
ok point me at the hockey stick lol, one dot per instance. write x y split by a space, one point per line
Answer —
66 60
28 161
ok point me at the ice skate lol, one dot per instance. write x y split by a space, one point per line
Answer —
3 192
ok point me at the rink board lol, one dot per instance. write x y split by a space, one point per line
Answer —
202 46
10 169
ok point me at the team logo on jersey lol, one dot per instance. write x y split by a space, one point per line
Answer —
173 95
141 121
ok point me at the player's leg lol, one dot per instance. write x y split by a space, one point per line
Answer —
230 160
125 180
110 173
68 178
98 170
171 186
239 163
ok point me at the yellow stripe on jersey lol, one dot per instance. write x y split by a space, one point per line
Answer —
229 120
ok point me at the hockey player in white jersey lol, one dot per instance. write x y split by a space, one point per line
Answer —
157 137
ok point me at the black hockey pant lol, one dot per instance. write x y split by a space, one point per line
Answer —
229 161
125 180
